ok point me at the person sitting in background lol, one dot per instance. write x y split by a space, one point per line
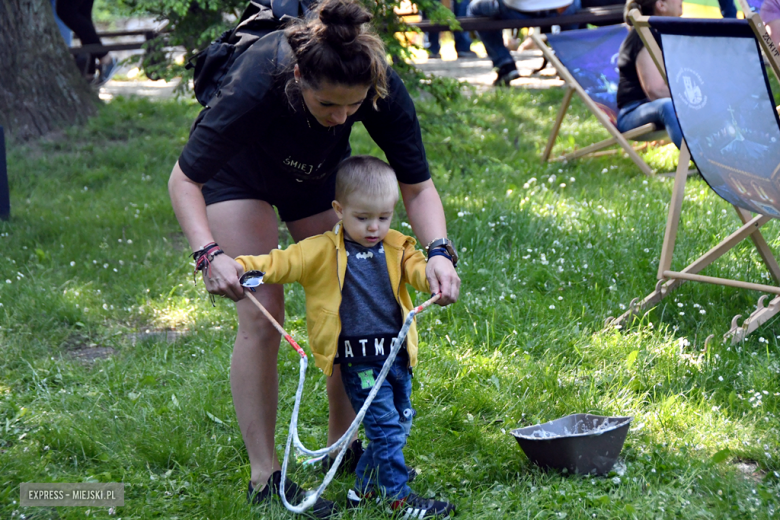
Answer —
502 59
642 95
770 15
462 40
77 15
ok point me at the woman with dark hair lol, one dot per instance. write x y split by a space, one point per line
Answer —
642 95
272 136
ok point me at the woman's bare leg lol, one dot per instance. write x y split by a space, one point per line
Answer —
249 227
339 407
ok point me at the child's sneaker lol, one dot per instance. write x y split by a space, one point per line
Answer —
415 506
355 499
295 494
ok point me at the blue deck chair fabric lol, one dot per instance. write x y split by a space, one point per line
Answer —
586 60
716 75
591 56
725 106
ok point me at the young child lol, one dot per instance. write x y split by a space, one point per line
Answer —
356 300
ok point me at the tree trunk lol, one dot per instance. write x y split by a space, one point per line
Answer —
41 89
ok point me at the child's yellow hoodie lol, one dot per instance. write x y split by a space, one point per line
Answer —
319 264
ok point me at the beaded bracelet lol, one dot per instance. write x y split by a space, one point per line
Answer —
204 257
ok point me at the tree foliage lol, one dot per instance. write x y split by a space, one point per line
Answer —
193 24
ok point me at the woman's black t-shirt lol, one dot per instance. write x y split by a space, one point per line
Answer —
629 88
252 110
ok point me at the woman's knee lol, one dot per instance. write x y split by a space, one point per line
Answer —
252 321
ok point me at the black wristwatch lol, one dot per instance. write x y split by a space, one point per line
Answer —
447 245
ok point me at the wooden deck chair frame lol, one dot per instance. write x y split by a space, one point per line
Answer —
669 280
572 87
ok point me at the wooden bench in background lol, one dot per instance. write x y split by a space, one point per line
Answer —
143 35
603 15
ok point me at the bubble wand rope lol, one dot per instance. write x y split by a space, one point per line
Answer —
343 443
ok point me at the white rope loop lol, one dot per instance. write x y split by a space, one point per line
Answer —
343 443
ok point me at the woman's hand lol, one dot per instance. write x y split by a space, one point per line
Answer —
222 278
443 279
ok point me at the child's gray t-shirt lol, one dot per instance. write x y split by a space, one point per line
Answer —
370 315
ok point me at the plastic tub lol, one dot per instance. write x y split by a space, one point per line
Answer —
580 443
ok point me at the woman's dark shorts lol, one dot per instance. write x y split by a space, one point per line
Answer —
292 198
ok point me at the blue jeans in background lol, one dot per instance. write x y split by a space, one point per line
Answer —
661 112
494 40
387 424
66 33
727 8
462 40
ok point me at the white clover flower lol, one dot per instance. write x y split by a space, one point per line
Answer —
552 307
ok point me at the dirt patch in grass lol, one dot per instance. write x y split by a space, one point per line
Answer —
750 470
91 354
151 334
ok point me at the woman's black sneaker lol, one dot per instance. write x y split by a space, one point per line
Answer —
295 494
350 461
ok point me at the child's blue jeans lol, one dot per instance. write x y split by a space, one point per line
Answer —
387 424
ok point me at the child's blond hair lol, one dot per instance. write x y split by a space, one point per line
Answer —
370 177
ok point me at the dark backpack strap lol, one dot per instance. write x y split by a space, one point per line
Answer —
283 8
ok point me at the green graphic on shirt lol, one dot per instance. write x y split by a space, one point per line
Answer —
366 379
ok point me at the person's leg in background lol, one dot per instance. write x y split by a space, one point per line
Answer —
77 15
66 33
493 41
432 44
575 6
661 112
727 8
462 39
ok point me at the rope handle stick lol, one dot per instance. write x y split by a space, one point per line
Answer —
276 325
343 443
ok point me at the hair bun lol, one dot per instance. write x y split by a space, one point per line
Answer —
339 12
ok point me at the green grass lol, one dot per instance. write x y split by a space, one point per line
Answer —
93 258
